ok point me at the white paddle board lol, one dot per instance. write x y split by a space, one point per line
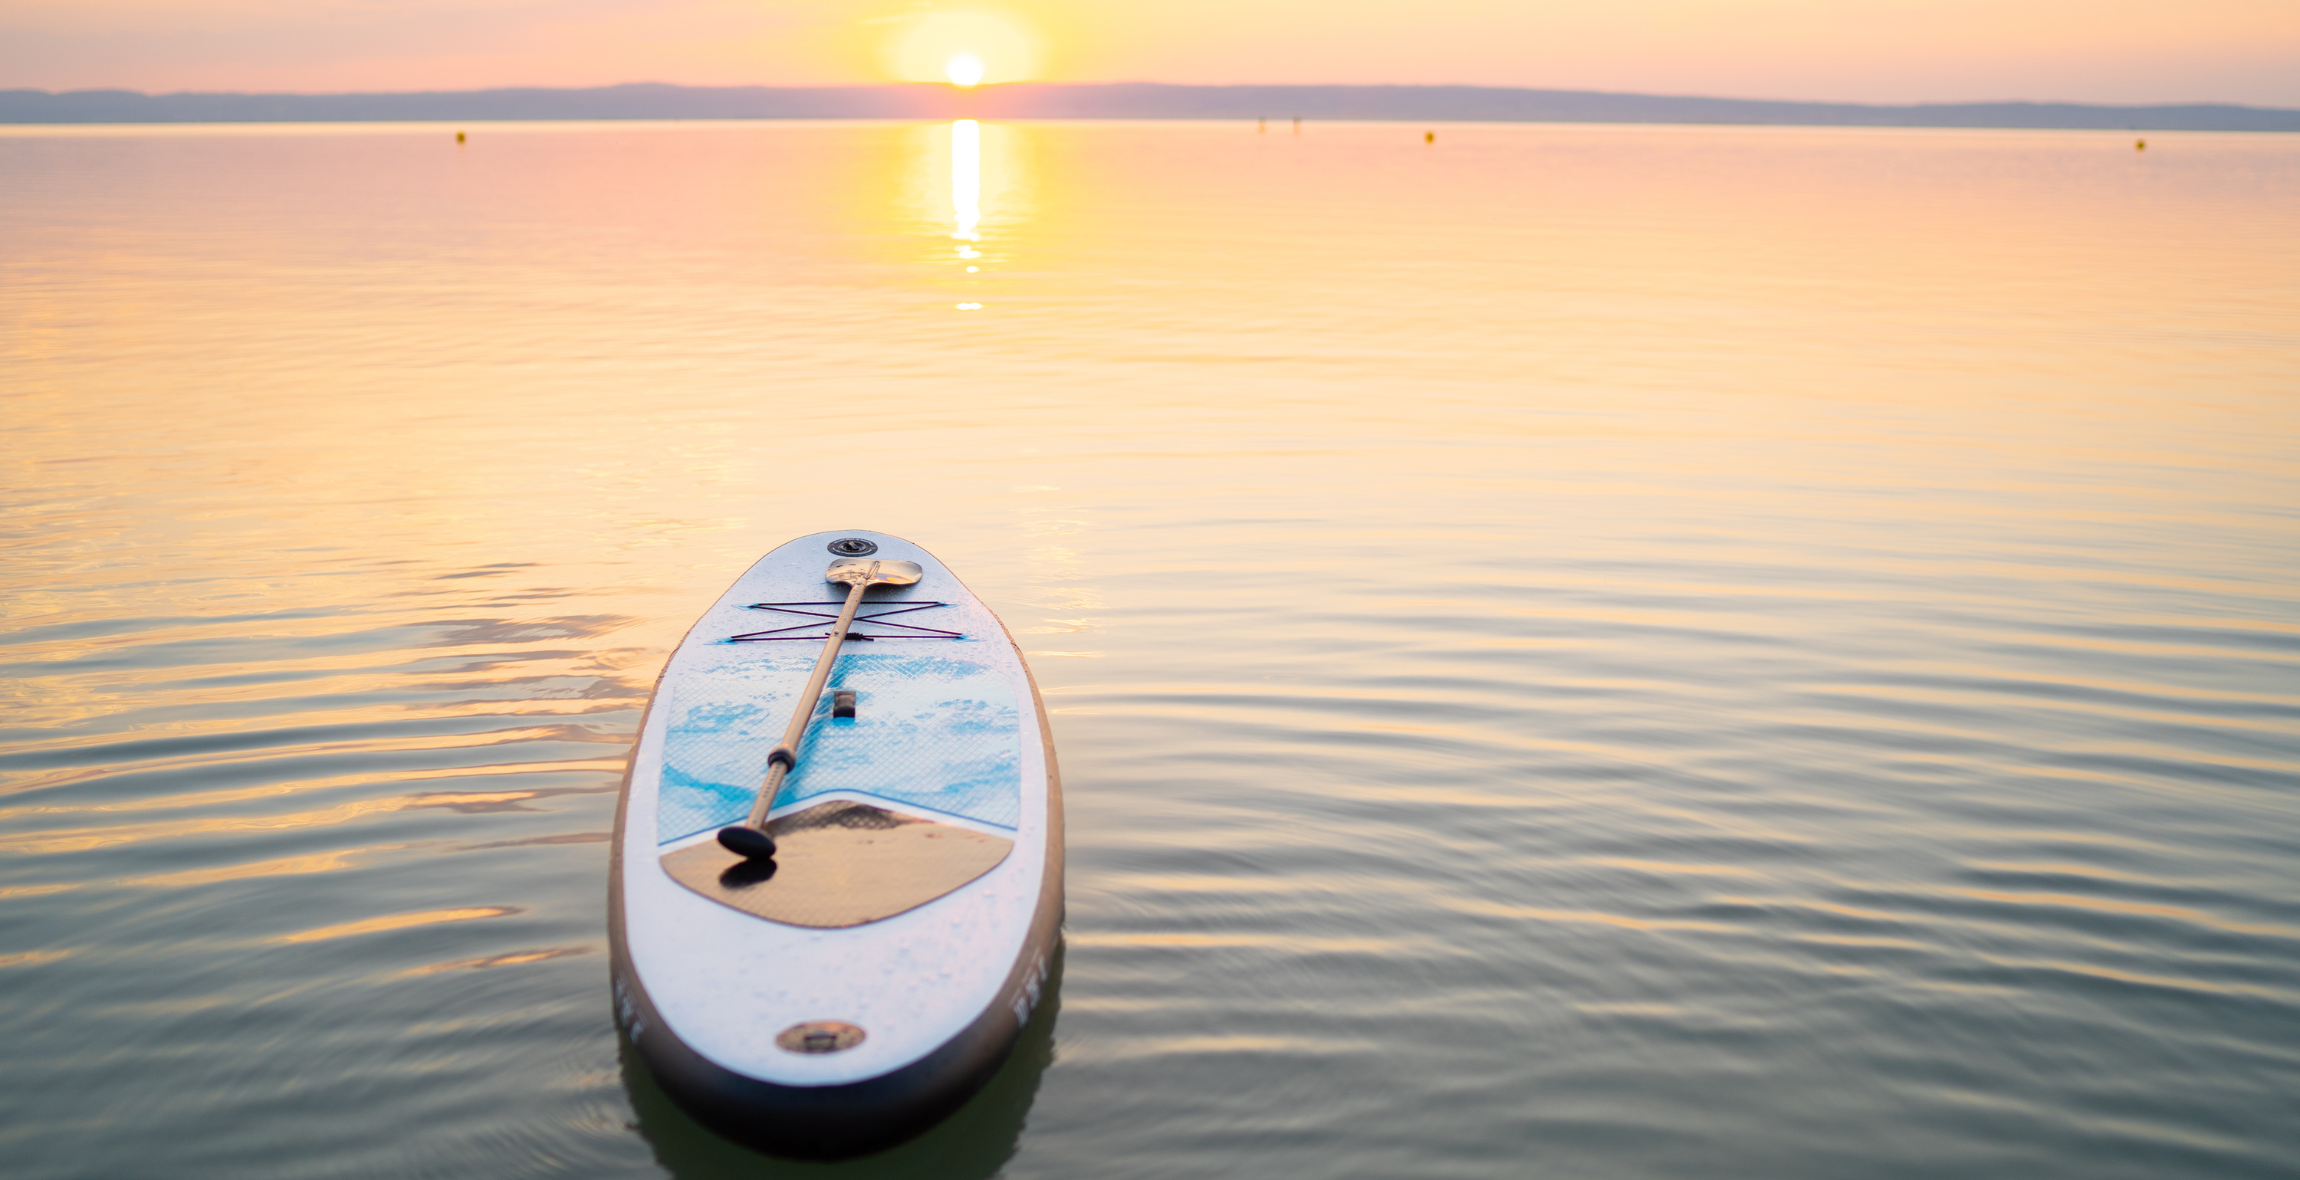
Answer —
877 974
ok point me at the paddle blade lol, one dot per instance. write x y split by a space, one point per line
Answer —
872 571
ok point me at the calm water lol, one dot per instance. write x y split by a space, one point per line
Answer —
1576 652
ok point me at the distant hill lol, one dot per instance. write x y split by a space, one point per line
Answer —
1121 100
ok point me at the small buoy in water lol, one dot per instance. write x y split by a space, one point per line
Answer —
1261 124
1429 137
459 137
1297 124
2140 145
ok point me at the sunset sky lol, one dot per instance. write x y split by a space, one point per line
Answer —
2121 51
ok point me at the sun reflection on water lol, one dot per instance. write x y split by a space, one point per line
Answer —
966 183
966 194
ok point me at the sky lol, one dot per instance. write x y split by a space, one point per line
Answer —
2111 51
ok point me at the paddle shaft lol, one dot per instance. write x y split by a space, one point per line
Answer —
783 757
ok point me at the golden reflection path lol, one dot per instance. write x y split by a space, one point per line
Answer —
966 196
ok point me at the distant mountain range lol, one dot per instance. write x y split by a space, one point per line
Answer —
1119 100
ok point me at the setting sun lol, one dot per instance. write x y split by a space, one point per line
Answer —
965 49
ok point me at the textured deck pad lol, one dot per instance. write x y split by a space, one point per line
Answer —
936 728
841 864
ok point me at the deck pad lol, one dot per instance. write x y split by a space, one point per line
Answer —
936 729
841 864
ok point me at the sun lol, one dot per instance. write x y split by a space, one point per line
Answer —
964 49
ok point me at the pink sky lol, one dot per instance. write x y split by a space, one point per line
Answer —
2119 51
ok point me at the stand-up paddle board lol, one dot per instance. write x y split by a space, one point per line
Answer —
832 972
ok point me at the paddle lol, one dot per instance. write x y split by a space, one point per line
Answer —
749 839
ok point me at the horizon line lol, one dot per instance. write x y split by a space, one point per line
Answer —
948 89
1337 102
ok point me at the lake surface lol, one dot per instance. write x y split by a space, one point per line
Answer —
1575 651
